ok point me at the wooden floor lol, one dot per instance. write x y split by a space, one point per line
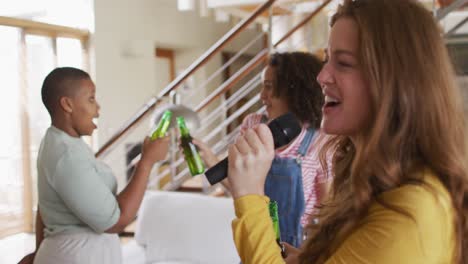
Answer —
15 247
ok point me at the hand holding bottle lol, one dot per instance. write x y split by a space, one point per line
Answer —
156 146
154 150
249 161
206 153
192 157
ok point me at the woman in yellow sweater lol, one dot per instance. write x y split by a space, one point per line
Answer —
400 186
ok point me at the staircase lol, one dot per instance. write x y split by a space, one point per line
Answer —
285 25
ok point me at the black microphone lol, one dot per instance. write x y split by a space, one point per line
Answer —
284 129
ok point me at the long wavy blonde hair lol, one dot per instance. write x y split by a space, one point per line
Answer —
417 122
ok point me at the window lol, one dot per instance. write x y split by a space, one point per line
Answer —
28 55
11 185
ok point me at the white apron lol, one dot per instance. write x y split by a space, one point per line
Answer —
80 248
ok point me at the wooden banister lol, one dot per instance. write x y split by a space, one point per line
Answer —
130 124
216 48
229 36
256 61
259 58
302 23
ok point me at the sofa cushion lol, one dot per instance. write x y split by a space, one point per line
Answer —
133 253
184 227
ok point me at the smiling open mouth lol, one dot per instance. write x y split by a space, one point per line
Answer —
331 101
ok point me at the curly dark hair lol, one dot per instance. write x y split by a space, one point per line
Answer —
296 81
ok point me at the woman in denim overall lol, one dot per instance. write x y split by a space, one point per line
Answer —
289 85
284 185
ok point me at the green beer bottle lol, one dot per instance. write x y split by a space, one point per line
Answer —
273 208
191 154
162 126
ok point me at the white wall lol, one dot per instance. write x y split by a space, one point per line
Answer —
127 33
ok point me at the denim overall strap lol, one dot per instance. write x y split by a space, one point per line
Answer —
306 142
302 151
284 185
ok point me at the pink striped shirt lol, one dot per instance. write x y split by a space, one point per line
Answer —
312 171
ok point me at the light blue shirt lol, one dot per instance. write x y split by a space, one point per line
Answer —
76 191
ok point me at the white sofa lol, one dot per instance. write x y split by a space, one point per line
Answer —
182 228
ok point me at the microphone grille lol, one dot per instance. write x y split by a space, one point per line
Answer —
284 129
